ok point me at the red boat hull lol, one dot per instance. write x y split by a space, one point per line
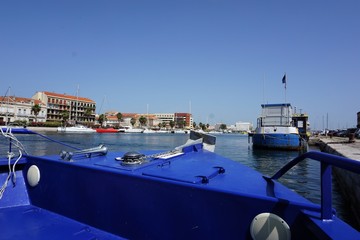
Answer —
107 130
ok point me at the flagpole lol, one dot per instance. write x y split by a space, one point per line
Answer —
284 80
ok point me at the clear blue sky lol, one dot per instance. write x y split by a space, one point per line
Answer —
224 57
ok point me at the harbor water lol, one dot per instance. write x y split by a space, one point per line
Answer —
303 178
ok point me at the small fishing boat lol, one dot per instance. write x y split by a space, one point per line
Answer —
148 130
188 192
130 129
275 129
76 129
107 130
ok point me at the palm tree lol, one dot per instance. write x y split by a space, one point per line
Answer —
36 109
65 116
133 121
223 126
172 123
102 119
88 112
119 117
142 120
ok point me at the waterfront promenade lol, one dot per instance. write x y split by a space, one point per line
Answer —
341 146
42 129
349 182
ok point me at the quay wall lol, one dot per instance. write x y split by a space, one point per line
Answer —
42 129
348 181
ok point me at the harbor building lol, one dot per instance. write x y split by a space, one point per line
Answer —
243 126
180 120
183 120
80 109
13 109
165 118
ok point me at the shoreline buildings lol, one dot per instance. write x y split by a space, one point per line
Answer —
14 109
57 108
79 109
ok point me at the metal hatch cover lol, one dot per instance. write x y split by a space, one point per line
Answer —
189 170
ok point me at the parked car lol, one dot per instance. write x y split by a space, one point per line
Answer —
357 133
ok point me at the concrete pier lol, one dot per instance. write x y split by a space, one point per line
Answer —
43 129
349 182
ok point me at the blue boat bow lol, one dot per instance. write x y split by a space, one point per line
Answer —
188 192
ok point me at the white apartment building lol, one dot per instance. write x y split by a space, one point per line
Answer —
243 126
20 109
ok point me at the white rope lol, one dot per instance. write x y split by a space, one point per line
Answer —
12 172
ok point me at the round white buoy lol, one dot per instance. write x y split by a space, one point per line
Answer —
33 176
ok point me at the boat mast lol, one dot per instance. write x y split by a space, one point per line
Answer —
7 105
147 115
77 102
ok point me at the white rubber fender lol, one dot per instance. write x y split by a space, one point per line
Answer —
269 226
33 175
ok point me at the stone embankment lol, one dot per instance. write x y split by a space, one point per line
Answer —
42 129
349 182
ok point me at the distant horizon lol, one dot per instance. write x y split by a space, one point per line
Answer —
325 118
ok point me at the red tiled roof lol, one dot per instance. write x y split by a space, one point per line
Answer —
114 118
19 100
58 95
129 115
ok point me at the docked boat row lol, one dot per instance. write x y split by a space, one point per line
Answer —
279 128
188 192
125 129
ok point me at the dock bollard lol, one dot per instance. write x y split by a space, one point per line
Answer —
351 137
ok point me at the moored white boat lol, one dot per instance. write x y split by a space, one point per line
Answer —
148 130
76 129
183 131
130 129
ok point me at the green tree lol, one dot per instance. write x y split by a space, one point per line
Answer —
36 109
65 116
102 119
133 121
172 123
223 126
88 112
119 117
181 124
142 120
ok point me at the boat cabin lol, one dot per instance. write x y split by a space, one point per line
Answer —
275 115
301 122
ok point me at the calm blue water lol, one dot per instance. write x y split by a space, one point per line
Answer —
303 178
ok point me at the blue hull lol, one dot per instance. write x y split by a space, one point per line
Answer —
277 141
